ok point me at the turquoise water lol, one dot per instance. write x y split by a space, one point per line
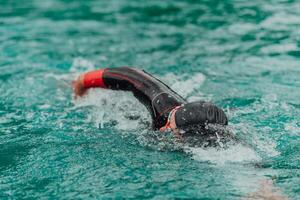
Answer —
242 55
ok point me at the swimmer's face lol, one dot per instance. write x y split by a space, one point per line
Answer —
173 126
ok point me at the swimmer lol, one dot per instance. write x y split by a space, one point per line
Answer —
169 111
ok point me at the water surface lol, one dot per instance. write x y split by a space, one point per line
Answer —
242 55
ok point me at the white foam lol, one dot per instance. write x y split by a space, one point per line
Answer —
113 107
233 154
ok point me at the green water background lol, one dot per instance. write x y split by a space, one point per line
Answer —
242 55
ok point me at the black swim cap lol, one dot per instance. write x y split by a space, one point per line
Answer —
199 113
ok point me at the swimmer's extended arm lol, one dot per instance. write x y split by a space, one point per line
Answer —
121 78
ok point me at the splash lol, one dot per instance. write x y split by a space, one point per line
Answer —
237 153
113 109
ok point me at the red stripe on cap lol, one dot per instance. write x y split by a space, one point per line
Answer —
94 79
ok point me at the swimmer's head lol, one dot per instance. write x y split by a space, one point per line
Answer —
199 114
196 118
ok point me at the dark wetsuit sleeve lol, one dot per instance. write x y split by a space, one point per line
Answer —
155 95
123 78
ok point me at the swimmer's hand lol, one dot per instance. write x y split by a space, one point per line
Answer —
78 87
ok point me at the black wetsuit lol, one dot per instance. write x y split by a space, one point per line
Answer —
154 94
